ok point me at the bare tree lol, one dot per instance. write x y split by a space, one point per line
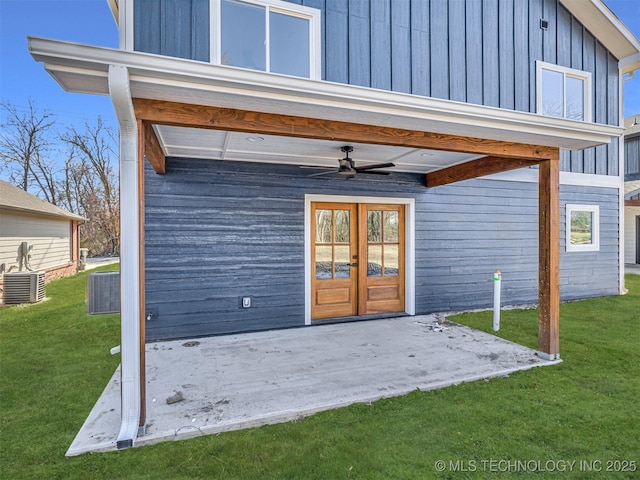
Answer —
90 185
24 144
32 156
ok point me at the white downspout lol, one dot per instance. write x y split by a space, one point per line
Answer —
129 256
621 172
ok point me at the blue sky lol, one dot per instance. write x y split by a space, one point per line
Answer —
91 22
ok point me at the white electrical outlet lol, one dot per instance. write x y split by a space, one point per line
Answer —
246 302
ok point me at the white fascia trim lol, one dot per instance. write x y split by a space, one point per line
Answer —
129 257
336 101
410 244
605 26
628 195
629 64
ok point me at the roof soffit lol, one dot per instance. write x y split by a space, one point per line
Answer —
608 29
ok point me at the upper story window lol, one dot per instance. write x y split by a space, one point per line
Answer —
563 92
266 35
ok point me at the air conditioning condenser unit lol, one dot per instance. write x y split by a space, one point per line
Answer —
23 287
103 292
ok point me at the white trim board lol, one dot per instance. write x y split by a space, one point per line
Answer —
410 244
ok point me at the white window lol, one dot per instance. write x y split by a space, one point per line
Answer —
583 228
563 92
266 35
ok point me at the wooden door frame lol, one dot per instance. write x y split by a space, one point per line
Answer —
409 204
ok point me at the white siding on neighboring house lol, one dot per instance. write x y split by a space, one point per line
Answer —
51 239
630 235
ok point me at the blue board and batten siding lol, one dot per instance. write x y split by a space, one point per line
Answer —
216 231
632 157
475 51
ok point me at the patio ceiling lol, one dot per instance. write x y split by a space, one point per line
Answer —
238 146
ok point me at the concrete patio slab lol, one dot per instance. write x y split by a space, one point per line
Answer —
240 381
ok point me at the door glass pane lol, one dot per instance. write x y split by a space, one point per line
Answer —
243 34
341 258
289 45
374 261
323 262
391 260
323 226
575 98
552 95
342 231
374 226
390 226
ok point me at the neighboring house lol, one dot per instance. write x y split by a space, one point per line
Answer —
50 231
632 190
502 120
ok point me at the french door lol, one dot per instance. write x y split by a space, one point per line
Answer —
358 259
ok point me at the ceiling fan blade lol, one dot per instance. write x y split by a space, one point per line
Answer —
321 173
373 172
313 167
377 165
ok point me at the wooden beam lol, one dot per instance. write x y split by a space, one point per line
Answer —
142 135
216 118
632 203
476 168
152 150
549 258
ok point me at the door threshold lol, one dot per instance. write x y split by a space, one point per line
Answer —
358 318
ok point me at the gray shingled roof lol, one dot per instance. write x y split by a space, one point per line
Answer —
14 198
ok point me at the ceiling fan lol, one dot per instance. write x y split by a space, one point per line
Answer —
347 166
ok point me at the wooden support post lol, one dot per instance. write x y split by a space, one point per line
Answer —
142 138
549 259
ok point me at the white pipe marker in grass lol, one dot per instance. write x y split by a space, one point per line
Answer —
497 280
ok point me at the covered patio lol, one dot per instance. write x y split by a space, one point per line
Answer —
156 101
247 380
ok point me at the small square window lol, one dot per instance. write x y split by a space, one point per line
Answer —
583 228
563 92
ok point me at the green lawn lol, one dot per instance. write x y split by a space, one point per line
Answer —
55 361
